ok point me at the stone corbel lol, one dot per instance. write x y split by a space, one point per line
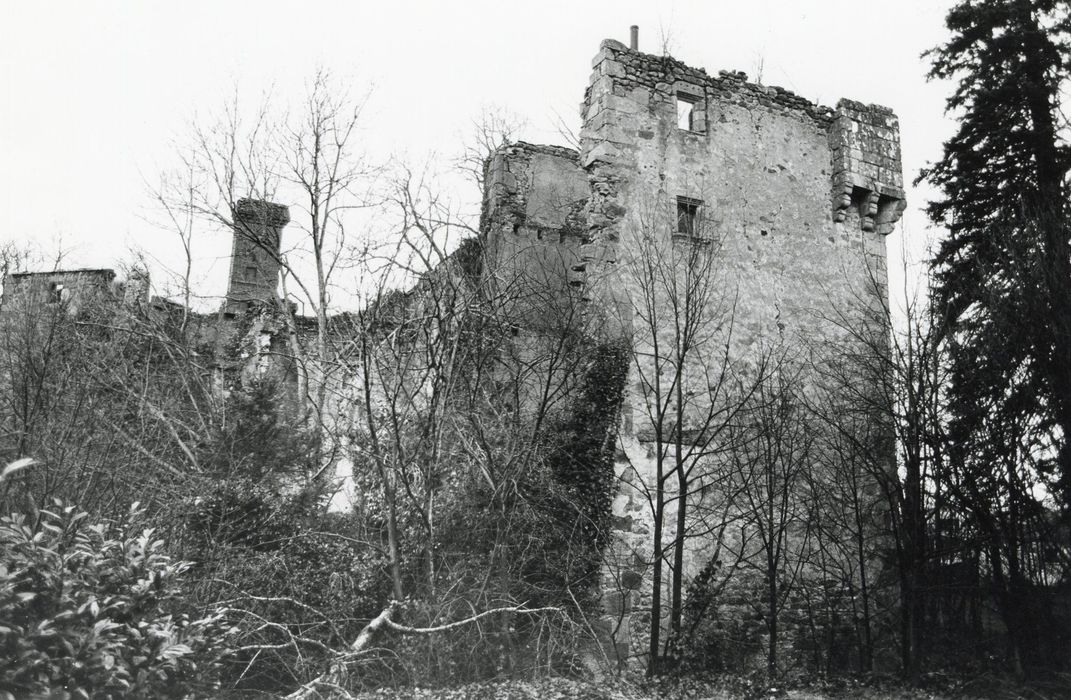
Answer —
869 210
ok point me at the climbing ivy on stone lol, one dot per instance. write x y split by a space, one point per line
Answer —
583 462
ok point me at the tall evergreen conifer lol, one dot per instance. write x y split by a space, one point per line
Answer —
1003 273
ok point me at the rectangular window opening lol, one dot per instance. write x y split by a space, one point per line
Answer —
251 274
686 111
689 112
688 216
55 293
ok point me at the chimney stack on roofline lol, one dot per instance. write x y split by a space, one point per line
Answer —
634 37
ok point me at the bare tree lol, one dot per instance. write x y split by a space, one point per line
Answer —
847 516
772 455
311 160
891 377
680 321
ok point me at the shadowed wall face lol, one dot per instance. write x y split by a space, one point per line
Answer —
533 225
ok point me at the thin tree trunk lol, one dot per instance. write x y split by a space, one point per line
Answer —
864 590
656 591
677 604
388 488
771 620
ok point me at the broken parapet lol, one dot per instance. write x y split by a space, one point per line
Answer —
254 273
867 173
732 130
647 80
532 224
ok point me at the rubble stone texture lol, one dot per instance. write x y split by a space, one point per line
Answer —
70 289
254 274
800 197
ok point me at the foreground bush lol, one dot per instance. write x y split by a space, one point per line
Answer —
88 610
295 583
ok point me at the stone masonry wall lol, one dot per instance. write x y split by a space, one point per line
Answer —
533 225
762 161
798 196
865 145
71 289
254 272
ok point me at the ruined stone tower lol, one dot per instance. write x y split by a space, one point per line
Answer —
797 199
254 269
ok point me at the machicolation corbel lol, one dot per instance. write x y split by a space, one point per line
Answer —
864 142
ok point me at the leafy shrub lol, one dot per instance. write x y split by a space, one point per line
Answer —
89 609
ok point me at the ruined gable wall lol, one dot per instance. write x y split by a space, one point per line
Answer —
71 290
532 226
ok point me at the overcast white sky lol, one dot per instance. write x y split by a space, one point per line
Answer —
93 94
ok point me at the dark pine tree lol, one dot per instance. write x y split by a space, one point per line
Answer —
1003 285
1003 273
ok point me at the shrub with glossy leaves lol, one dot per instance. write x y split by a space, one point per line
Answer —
87 610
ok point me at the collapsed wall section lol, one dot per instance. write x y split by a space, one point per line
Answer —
533 224
69 290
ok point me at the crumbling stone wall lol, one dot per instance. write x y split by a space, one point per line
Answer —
768 172
762 161
71 290
798 196
533 225
865 145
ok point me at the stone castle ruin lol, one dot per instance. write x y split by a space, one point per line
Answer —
783 203
797 200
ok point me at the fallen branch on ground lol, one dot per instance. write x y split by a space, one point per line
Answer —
335 675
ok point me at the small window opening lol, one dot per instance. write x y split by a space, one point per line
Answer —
688 216
55 293
686 116
251 274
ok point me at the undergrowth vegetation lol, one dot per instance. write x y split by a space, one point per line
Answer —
96 609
